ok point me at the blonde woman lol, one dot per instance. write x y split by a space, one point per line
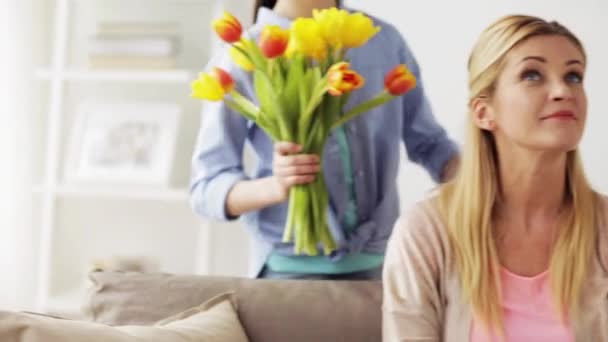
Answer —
515 247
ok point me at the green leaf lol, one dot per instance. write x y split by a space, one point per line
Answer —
270 105
293 83
269 126
276 75
255 54
318 84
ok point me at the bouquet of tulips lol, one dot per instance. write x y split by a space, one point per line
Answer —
301 80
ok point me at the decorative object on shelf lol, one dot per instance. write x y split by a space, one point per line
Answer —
302 80
123 142
136 44
126 263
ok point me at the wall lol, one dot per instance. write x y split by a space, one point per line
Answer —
20 98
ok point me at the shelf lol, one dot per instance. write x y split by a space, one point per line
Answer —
67 305
118 75
115 192
192 2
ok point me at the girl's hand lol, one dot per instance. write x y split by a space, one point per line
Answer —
290 168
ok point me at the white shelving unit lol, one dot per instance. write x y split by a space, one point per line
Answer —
84 75
74 218
75 191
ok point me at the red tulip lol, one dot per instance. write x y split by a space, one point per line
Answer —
228 28
341 79
399 80
224 78
273 41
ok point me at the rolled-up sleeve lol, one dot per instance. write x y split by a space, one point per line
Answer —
217 161
426 142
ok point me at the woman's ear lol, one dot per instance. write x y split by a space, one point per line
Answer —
482 114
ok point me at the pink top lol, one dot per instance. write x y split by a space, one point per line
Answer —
529 312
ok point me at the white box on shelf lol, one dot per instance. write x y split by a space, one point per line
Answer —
123 143
119 75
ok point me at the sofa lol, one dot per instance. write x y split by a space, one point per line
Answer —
263 310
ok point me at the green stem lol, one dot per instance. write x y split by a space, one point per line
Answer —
297 224
289 224
249 107
311 241
235 106
363 107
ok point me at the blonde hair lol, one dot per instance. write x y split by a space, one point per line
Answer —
466 203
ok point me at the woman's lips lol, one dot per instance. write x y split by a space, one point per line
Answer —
560 115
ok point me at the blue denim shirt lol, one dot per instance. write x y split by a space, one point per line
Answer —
374 140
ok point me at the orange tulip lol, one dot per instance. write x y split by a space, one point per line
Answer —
342 79
212 86
273 41
399 80
228 28
224 78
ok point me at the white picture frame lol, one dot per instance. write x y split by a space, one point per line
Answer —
127 142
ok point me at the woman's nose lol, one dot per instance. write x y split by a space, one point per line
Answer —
560 91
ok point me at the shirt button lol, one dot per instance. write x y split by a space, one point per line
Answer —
361 174
353 129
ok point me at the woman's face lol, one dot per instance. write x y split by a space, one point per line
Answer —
539 101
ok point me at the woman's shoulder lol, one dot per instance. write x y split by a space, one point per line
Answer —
602 233
422 221
602 213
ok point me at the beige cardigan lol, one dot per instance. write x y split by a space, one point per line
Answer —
422 299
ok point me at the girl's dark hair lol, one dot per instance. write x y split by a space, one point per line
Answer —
262 3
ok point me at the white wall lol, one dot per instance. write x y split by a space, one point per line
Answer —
20 98
441 34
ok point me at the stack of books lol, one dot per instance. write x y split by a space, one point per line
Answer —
135 45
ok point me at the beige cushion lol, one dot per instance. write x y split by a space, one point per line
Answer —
269 310
215 320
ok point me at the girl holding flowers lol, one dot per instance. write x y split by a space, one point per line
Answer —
357 161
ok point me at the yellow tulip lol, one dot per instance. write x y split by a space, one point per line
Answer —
331 23
239 58
358 29
306 38
342 29
212 86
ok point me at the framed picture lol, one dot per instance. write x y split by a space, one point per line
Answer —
123 143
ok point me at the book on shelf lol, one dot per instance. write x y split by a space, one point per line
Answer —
133 46
138 28
133 62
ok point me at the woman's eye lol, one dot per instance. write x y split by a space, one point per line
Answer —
530 75
574 77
